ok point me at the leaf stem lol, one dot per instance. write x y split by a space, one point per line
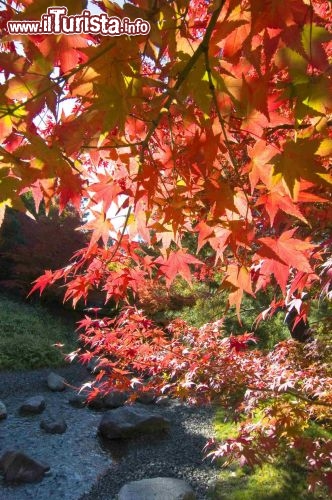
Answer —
292 393
182 76
118 243
60 79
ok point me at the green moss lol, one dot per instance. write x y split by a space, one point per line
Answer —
281 480
318 431
27 335
210 305
224 427
269 482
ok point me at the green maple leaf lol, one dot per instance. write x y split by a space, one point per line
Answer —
299 161
312 92
312 38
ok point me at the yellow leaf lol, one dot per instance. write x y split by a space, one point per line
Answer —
5 127
298 161
325 148
2 212
21 88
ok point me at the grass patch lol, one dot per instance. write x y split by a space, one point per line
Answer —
224 427
277 481
27 335
269 482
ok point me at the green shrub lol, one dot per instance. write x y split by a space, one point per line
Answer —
210 304
27 335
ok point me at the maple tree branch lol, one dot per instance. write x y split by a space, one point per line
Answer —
222 124
220 118
118 243
183 75
71 163
60 79
114 146
292 393
287 126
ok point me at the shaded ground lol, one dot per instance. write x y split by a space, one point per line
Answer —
75 457
83 467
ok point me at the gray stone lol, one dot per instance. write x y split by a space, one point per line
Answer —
3 411
129 421
17 467
77 400
56 382
115 399
110 401
97 403
163 401
92 366
33 406
53 425
146 398
157 488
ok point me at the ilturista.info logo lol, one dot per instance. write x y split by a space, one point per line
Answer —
56 21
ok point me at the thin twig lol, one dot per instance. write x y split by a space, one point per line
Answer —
60 79
292 393
185 72
118 243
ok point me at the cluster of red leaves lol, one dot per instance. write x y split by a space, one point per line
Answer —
291 389
217 125
275 395
28 247
180 360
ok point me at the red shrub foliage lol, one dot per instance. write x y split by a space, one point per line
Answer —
28 247
215 125
279 393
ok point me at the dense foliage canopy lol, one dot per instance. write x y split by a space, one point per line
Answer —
201 149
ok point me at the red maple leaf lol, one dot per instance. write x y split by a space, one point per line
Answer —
177 263
101 227
288 250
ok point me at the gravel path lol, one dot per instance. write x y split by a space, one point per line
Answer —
83 467
178 454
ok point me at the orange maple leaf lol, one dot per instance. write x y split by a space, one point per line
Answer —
177 263
288 250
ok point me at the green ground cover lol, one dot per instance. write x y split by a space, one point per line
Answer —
281 480
28 334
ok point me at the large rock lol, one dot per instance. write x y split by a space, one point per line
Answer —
157 488
77 400
92 366
3 411
146 398
53 425
33 406
20 468
55 382
112 400
130 421
115 399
